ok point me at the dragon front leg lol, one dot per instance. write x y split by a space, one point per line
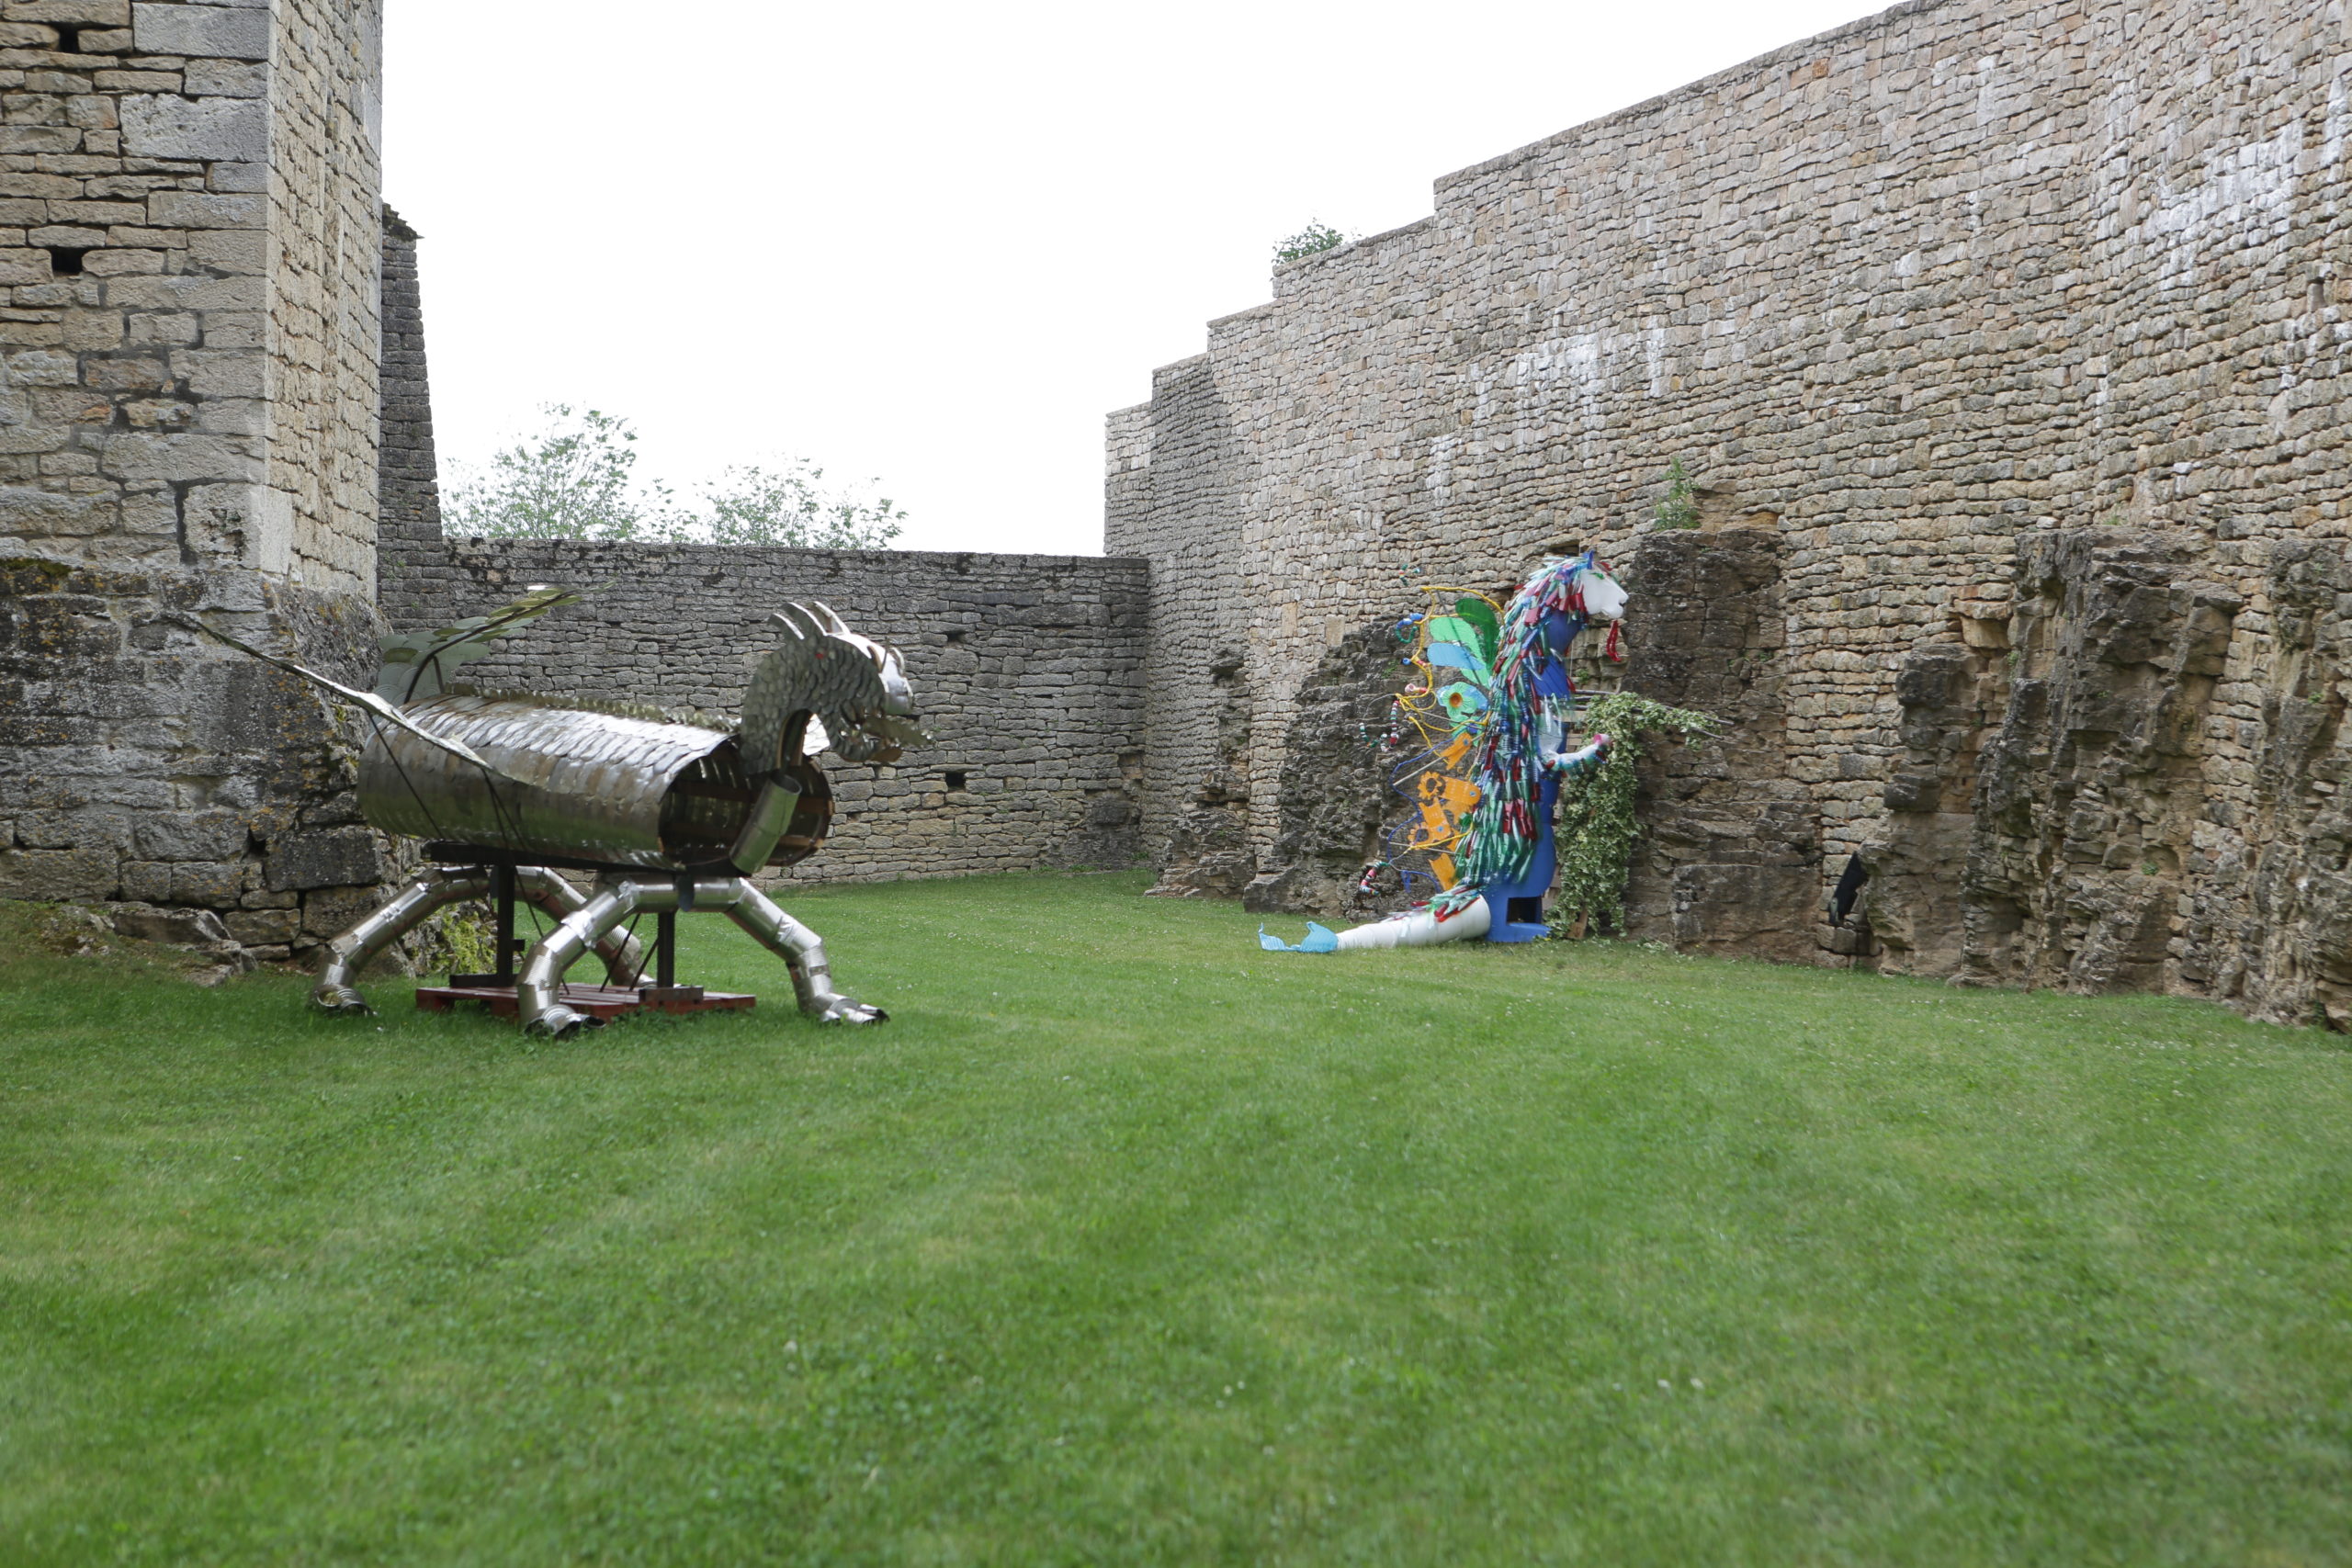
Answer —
538 990
624 958
803 953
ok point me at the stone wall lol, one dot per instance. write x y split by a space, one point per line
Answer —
1174 498
1027 670
188 241
408 470
325 238
1966 274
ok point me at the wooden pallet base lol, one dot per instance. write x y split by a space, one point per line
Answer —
601 1002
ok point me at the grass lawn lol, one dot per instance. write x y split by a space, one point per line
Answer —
1123 1241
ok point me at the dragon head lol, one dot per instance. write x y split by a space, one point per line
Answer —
1597 587
854 688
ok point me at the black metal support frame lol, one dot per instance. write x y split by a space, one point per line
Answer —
499 865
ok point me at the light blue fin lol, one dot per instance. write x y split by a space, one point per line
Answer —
1456 656
1319 939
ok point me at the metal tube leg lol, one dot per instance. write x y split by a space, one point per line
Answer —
400 914
539 991
624 958
803 953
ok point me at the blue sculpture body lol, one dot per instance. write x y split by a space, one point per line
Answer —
1515 902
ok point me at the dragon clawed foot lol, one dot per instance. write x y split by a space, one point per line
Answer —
560 1022
842 1009
341 1001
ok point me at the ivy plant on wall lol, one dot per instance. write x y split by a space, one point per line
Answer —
1597 827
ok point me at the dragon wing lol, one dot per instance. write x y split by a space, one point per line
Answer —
376 706
417 665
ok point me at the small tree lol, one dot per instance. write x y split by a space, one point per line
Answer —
1311 241
1679 508
576 479
573 481
752 506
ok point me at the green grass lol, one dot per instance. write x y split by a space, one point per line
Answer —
1123 1241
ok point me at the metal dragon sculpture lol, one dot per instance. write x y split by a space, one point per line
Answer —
672 813
1505 721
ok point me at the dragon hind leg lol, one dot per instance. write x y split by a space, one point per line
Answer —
399 915
538 990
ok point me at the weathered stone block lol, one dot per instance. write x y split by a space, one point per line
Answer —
65 876
192 210
160 126
332 912
333 857
228 176
223 79
197 834
261 927
149 881
179 928
223 31
177 458
97 13
210 885
46 515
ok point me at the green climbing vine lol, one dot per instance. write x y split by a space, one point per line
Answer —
1596 825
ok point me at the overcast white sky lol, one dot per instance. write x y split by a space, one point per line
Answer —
936 244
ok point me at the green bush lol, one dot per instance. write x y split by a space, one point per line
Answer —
1311 241
1679 508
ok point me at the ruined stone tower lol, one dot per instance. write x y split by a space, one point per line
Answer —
189 241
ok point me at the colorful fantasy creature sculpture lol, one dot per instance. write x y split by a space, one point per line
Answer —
1510 714
670 812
